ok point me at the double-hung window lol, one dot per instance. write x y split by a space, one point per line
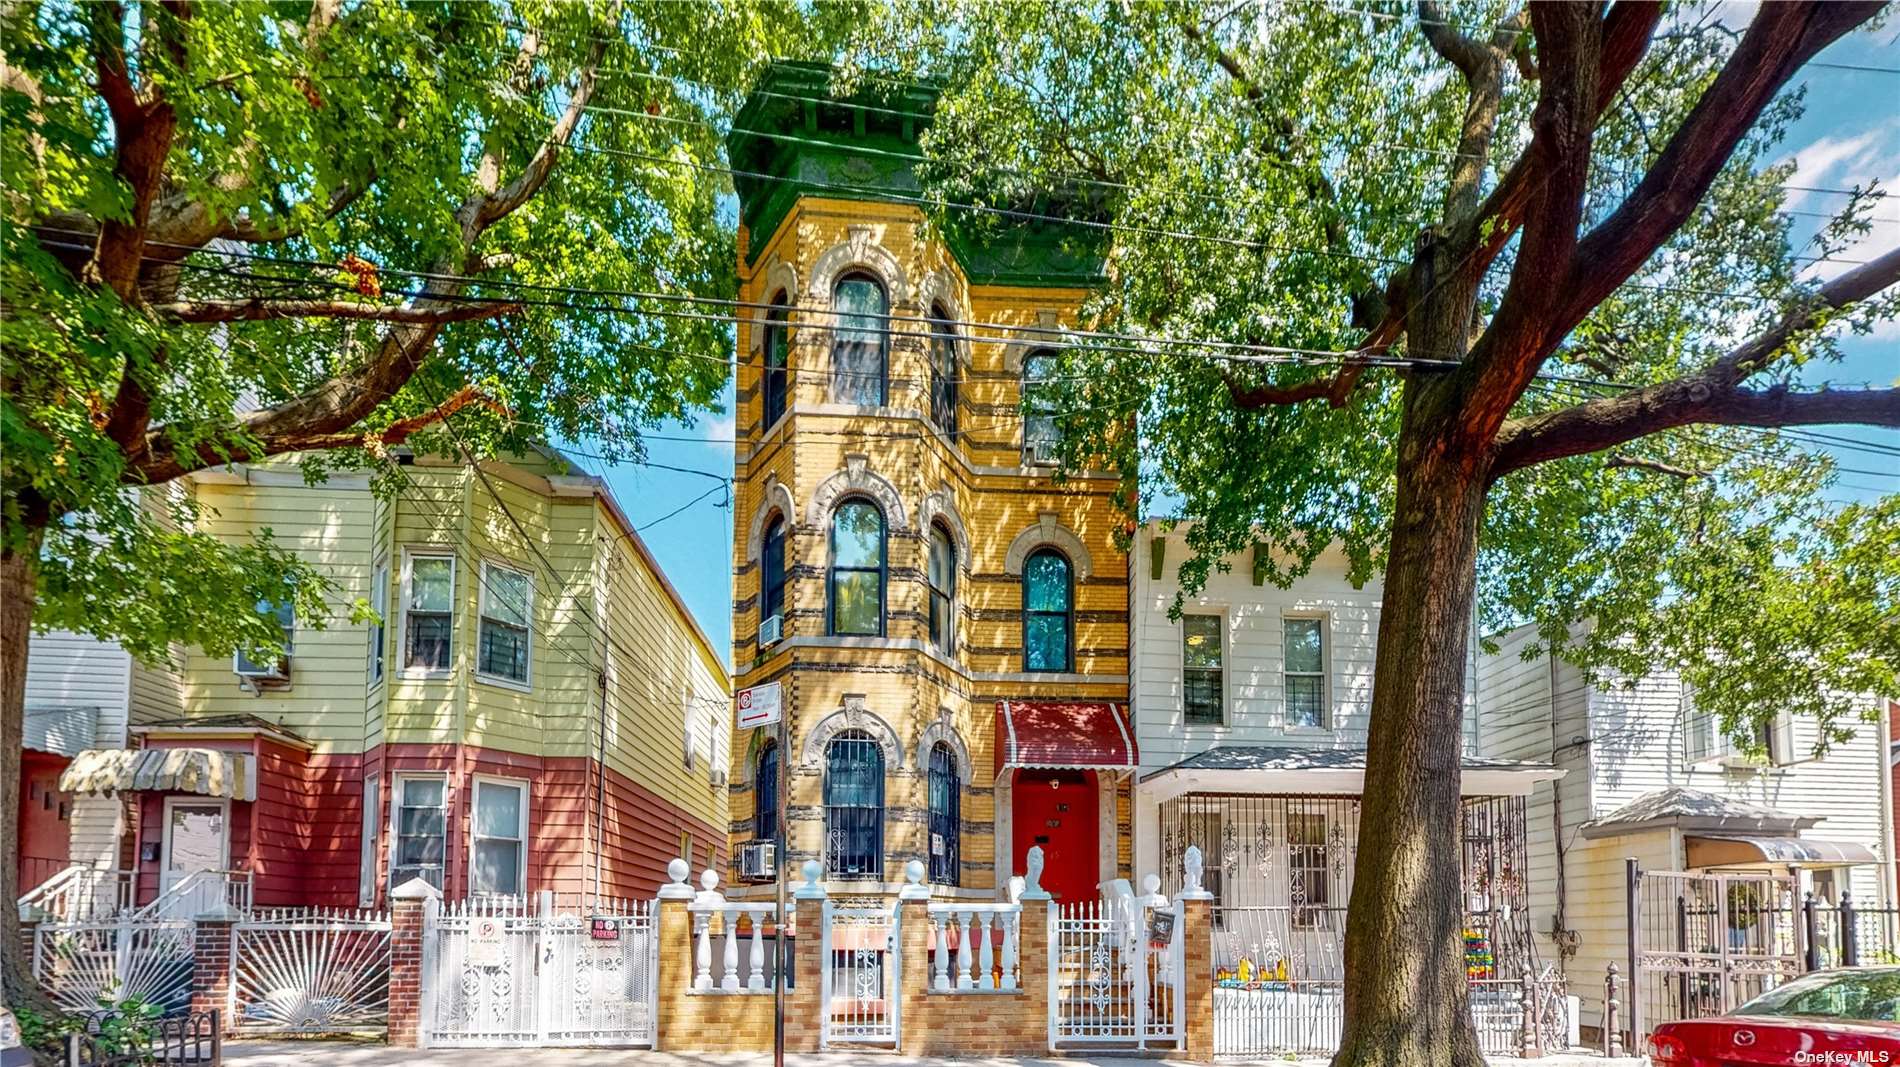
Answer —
419 829
498 853
857 569
429 615
378 630
943 370
772 572
507 607
778 348
941 576
284 614
1202 691
1048 612
372 831
1304 673
860 342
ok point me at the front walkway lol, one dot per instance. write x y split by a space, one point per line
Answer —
344 1054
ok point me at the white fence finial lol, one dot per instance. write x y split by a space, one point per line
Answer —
811 890
914 888
709 888
677 888
1032 875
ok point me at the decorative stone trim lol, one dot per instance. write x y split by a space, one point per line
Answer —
853 715
859 250
942 506
856 478
775 498
943 730
1047 531
1014 354
780 276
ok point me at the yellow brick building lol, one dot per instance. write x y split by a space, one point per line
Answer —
893 508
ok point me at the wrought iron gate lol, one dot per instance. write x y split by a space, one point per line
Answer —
81 964
1107 984
310 971
859 981
1704 943
496 974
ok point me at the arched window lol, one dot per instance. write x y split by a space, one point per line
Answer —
943 370
765 794
860 341
857 569
772 571
1048 611
777 348
942 577
946 816
854 807
1041 432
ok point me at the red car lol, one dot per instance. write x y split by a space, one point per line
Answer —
1844 1018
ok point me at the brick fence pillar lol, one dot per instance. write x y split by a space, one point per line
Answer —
673 925
211 962
412 908
1197 974
804 1006
1032 951
913 934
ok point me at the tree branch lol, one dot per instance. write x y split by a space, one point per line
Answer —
258 308
1623 462
1713 395
1780 38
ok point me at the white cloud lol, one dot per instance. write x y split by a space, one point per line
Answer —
716 428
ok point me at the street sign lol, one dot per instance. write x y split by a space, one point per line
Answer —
484 942
757 706
606 930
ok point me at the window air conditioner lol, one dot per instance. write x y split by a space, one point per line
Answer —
1041 454
277 670
769 628
757 861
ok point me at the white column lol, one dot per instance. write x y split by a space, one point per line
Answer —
942 963
988 955
702 954
963 952
757 979
729 970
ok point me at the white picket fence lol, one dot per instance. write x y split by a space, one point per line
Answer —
1108 985
504 973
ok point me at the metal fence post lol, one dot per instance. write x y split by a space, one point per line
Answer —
1528 1045
1850 937
1633 915
1612 1032
1811 959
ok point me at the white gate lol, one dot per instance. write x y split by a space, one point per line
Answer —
1107 983
859 982
81 964
496 974
310 970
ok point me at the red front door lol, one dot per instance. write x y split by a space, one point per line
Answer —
1057 810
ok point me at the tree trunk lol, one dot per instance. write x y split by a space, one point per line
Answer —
1406 999
16 630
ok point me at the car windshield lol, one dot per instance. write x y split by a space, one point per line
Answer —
1872 996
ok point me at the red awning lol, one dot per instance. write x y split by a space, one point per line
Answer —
1036 733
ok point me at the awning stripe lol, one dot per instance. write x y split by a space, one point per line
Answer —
207 772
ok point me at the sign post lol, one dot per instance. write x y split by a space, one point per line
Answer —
761 706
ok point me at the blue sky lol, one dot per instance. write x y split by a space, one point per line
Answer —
1850 134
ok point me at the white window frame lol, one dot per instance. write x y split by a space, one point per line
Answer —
475 783
396 782
526 683
285 658
1325 674
368 868
379 632
409 557
223 804
1219 615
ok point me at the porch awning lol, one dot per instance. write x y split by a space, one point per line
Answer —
1084 736
1727 851
207 772
1276 769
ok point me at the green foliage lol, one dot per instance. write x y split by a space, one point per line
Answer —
303 145
1267 209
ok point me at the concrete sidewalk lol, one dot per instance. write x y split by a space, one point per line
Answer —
350 1054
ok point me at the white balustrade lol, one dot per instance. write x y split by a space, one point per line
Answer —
976 929
709 904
